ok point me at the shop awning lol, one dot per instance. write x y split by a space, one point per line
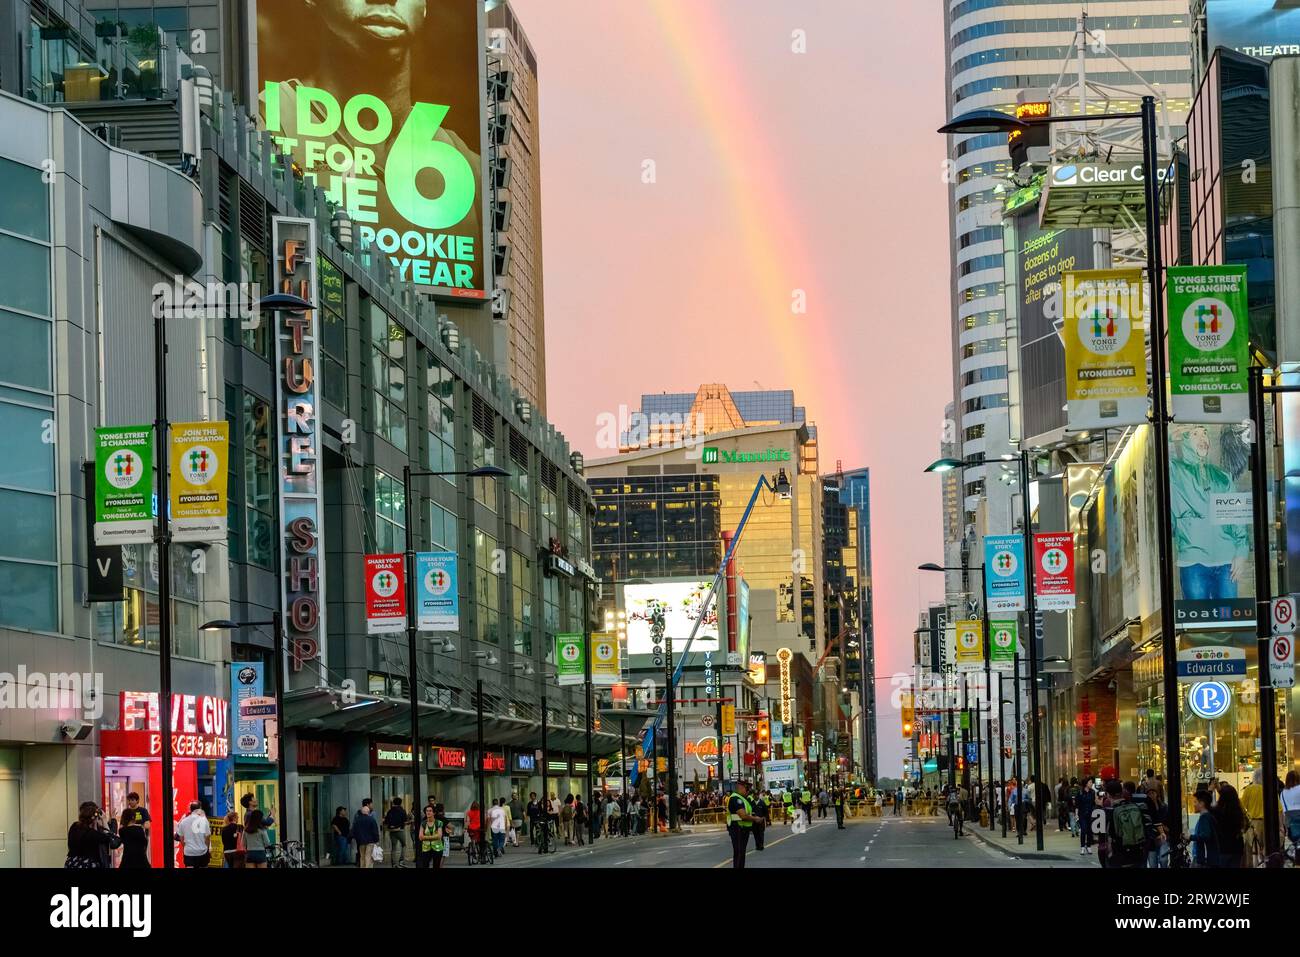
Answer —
327 709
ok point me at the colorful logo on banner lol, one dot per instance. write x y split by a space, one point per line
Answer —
1105 351
437 602
1054 570
1004 572
970 645
199 477
1002 645
605 670
248 735
1208 350
385 594
124 492
569 666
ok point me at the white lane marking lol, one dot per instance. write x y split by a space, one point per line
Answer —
628 861
862 858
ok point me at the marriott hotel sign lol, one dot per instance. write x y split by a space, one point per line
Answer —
297 360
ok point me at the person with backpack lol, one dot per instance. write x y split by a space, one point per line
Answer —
1128 830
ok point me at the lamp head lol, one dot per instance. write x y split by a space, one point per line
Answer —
944 465
219 624
983 121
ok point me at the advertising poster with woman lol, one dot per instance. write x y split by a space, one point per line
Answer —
1210 498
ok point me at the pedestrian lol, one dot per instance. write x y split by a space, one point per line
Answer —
566 820
433 833
740 821
898 801
553 813
1205 835
1128 830
341 831
823 802
135 842
497 824
249 803
1231 823
1062 799
613 817
580 820
365 834
233 854
1085 805
256 841
839 800
193 832
761 811
474 825
141 814
515 813
396 822
1290 801
1252 802
89 840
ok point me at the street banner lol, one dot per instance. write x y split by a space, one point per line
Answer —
200 467
728 720
778 732
1281 661
1002 646
605 667
248 737
124 485
437 602
385 594
1105 351
569 668
1054 570
970 645
1004 571
1208 350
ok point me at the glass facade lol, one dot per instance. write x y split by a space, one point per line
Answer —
29 571
656 526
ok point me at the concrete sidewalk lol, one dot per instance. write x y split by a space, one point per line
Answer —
1057 845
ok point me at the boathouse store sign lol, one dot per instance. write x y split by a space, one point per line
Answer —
297 359
380 104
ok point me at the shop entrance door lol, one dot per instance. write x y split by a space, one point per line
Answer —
10 823
311 820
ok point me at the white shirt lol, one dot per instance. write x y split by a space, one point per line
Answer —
1291 799
497 819
195 831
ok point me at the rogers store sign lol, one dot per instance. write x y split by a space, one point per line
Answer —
200 727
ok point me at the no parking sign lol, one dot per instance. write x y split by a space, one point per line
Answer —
1281 661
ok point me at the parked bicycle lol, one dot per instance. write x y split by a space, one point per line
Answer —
544 837
289 855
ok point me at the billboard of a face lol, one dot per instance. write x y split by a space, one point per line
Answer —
381 104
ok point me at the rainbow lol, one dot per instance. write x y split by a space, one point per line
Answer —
701 47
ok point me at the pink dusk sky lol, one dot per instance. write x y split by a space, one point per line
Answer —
776 178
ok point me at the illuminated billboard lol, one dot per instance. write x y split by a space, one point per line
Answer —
382 105
669 610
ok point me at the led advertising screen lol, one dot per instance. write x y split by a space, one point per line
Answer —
669 609
1259 28
382 105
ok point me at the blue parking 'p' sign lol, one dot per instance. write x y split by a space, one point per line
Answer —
1209 699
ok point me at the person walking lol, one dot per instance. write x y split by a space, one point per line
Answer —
497 825
1231 822
839 799
740 822
1129 830
823 802
432 837
1085 804
566 820
257 841
898 801
762 809
141 813
135 842
341 832
579 820
1205 836
396 822
1252 802
365 834
194 832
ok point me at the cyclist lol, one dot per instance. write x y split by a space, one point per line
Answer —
474 825
956 816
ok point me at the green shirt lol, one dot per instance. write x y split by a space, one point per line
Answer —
431 835
735 804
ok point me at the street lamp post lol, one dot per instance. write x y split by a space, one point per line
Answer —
412 623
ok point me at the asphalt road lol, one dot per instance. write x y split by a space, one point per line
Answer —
882 842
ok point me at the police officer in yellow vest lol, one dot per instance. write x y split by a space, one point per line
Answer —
740 821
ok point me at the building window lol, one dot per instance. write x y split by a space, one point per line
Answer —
482 452
134 621
334 335
259 482
487 588
252 273
521 499
388 377
521 603
441 387
550 613
442 528
390 514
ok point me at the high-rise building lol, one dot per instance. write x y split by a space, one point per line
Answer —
997 50
517 215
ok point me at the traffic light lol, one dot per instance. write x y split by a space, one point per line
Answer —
764 731
907 729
